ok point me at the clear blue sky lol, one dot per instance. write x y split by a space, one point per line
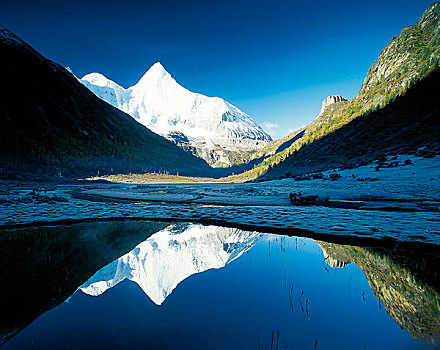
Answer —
276 60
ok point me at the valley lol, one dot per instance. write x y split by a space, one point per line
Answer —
395 205
152 215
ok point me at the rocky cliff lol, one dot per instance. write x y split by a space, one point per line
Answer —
330 100
395 110
408 57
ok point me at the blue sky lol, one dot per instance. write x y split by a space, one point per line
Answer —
276 60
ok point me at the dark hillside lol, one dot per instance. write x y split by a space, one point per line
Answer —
408 58
50 123
404 125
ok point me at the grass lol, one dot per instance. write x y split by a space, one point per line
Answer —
154 178
418 45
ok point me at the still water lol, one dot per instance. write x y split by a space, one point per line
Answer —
152 285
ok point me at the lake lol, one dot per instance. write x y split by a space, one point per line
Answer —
156 285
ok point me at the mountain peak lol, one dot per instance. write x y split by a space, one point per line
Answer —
157 67
216 130
155 73
157 70
88 126
330 100
96 79
431 15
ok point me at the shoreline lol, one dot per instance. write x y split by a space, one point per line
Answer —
387 243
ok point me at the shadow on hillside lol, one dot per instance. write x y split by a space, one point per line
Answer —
403 126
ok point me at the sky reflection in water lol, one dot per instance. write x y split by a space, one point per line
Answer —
206 287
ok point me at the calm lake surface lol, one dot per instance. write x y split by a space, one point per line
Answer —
152 285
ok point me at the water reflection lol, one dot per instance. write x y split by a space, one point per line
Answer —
168 257
42 267
256 290
406 284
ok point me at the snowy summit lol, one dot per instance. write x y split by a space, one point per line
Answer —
211 125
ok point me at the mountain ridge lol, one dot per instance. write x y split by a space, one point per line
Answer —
215 130
407 124
54 125
408 58
329 101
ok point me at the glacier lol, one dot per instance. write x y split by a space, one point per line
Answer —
209 127
168 257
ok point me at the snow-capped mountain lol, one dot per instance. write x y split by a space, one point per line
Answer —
211 127
168 257
52 106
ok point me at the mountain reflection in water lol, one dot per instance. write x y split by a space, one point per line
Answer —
168 257
406 284
255 289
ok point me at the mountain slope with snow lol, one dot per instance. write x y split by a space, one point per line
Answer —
51 124
212 128
168 257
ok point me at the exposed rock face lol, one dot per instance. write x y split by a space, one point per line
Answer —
408 57
330 100
398 98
